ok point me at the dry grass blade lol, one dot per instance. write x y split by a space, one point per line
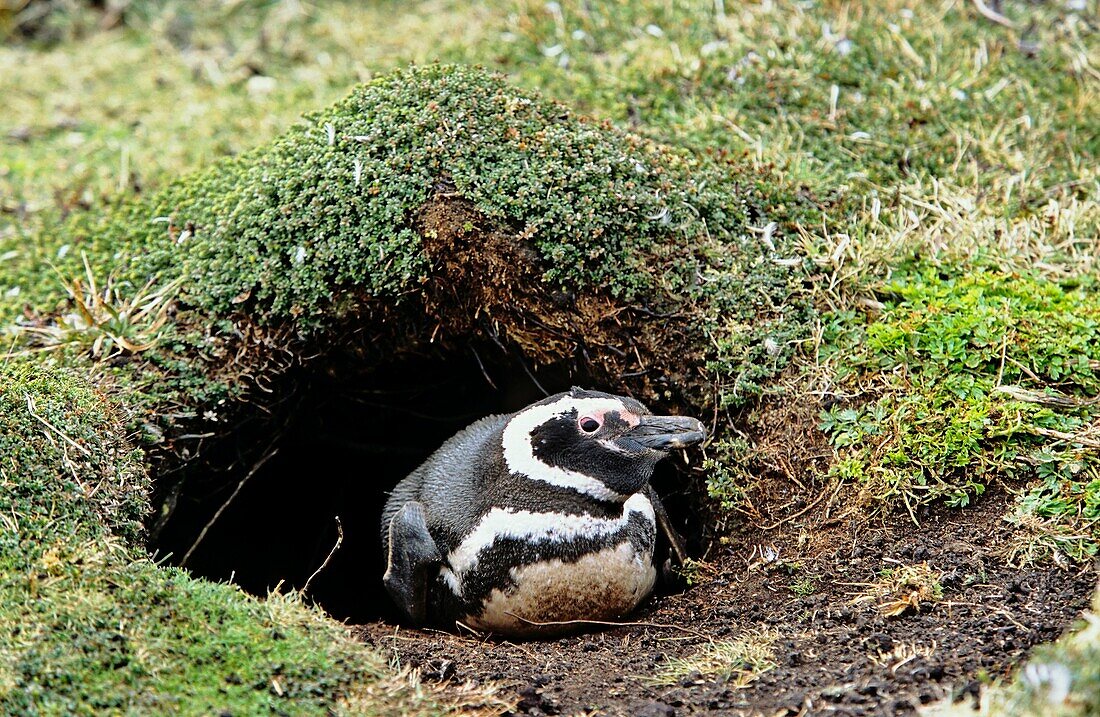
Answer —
1024 395
1089 438
31 410
328 558
903 588
268 455
992 15
739 661
902 653
601 623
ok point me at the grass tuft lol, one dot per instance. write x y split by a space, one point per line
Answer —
737 662
103 322
902 589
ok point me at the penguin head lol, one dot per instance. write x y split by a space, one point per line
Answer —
599 444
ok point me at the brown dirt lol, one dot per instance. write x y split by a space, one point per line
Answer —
487 280
833 655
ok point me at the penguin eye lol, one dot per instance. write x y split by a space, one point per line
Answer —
589 424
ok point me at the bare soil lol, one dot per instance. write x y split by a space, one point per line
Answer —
835 654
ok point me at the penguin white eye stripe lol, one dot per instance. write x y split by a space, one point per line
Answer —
519 454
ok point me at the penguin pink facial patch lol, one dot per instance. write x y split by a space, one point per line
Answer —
592 421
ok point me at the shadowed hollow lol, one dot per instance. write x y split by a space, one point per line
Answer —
337 450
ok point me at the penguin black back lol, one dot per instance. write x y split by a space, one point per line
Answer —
450 483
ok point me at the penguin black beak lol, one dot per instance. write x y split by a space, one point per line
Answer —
664 433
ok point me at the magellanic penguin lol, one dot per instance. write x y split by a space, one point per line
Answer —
541 516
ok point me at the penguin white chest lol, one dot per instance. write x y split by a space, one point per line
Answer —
603 585
553 567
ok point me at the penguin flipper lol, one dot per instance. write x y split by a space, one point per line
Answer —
411 556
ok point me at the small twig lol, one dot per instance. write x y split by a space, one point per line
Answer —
805 510
72 469
472 631
11 350
1062 186
339 541
1062 435
999 610
55 429
236 491
992 15
608 623
481 366
650 313
492 333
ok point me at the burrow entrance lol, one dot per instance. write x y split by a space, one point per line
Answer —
336 448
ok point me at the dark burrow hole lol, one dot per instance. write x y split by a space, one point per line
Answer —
340 449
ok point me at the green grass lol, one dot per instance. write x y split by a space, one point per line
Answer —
921 90
89 625
194 647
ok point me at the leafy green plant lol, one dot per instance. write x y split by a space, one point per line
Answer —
726 477
803 585
977 377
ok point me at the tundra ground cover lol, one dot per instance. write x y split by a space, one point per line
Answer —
918 205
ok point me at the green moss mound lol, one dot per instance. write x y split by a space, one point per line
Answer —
434 205
333 204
